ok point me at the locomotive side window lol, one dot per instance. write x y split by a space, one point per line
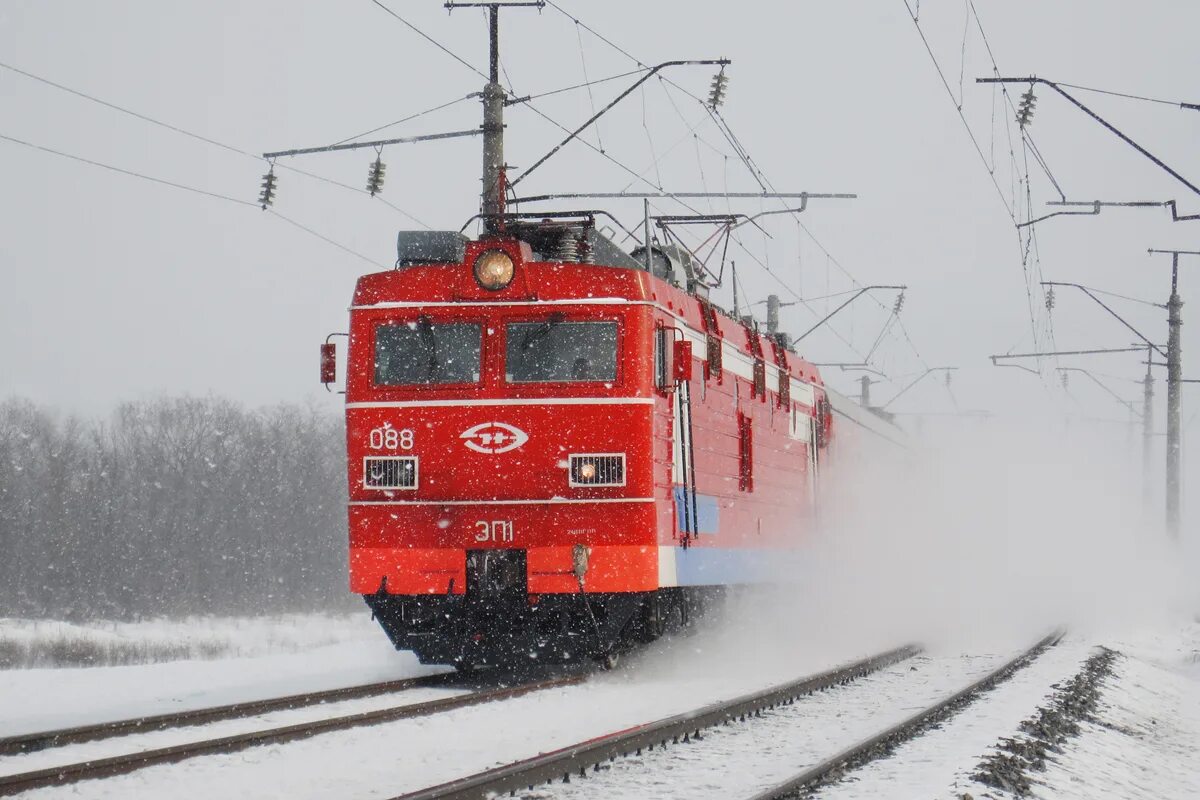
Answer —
662 341
554 351
423 352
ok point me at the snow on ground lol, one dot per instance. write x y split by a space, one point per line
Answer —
1144 744
57 643
283 656
385 760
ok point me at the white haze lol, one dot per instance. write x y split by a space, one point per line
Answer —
987 537
993 529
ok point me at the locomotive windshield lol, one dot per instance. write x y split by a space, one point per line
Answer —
554 351
422 352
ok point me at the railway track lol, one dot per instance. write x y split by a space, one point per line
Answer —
32 742
883 743
130 762
575 761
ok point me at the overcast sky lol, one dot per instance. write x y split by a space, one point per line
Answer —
117 288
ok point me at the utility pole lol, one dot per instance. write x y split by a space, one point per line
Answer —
1174 397
494 98
493 126
495 182
1174 391
1147 424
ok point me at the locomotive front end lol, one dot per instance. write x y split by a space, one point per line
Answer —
499 430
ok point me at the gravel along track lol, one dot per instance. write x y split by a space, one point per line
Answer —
939 763
1012 764
56 767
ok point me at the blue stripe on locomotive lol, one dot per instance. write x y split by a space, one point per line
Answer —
711 566
701 565
707 512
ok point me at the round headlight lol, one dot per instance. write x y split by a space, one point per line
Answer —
494 270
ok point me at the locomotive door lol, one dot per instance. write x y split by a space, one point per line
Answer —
804 428
683 468
814 468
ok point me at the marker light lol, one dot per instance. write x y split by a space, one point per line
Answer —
587 470
494 270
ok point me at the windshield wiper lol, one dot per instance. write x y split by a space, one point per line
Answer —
541 331
433 365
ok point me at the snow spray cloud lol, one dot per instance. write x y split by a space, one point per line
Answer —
983 535
980 537
991 530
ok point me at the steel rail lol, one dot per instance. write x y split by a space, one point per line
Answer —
42 740
575 759
883 743
119 765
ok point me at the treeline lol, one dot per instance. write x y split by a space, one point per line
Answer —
170 507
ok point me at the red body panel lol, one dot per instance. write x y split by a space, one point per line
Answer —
466 499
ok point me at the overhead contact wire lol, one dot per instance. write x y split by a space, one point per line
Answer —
433 41
1124 94
958 109
742 155
192 135
129 172
186 188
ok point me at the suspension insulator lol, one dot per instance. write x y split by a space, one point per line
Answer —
899 303
1064 376
375 175
267 196
716 94
1050 299
1025 110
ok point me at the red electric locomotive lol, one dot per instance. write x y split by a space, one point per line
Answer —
555 460
558 449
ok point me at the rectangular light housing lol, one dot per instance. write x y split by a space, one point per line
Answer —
390 472
597 469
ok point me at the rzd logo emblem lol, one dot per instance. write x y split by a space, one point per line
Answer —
493 437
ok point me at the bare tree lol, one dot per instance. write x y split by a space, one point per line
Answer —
174 506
